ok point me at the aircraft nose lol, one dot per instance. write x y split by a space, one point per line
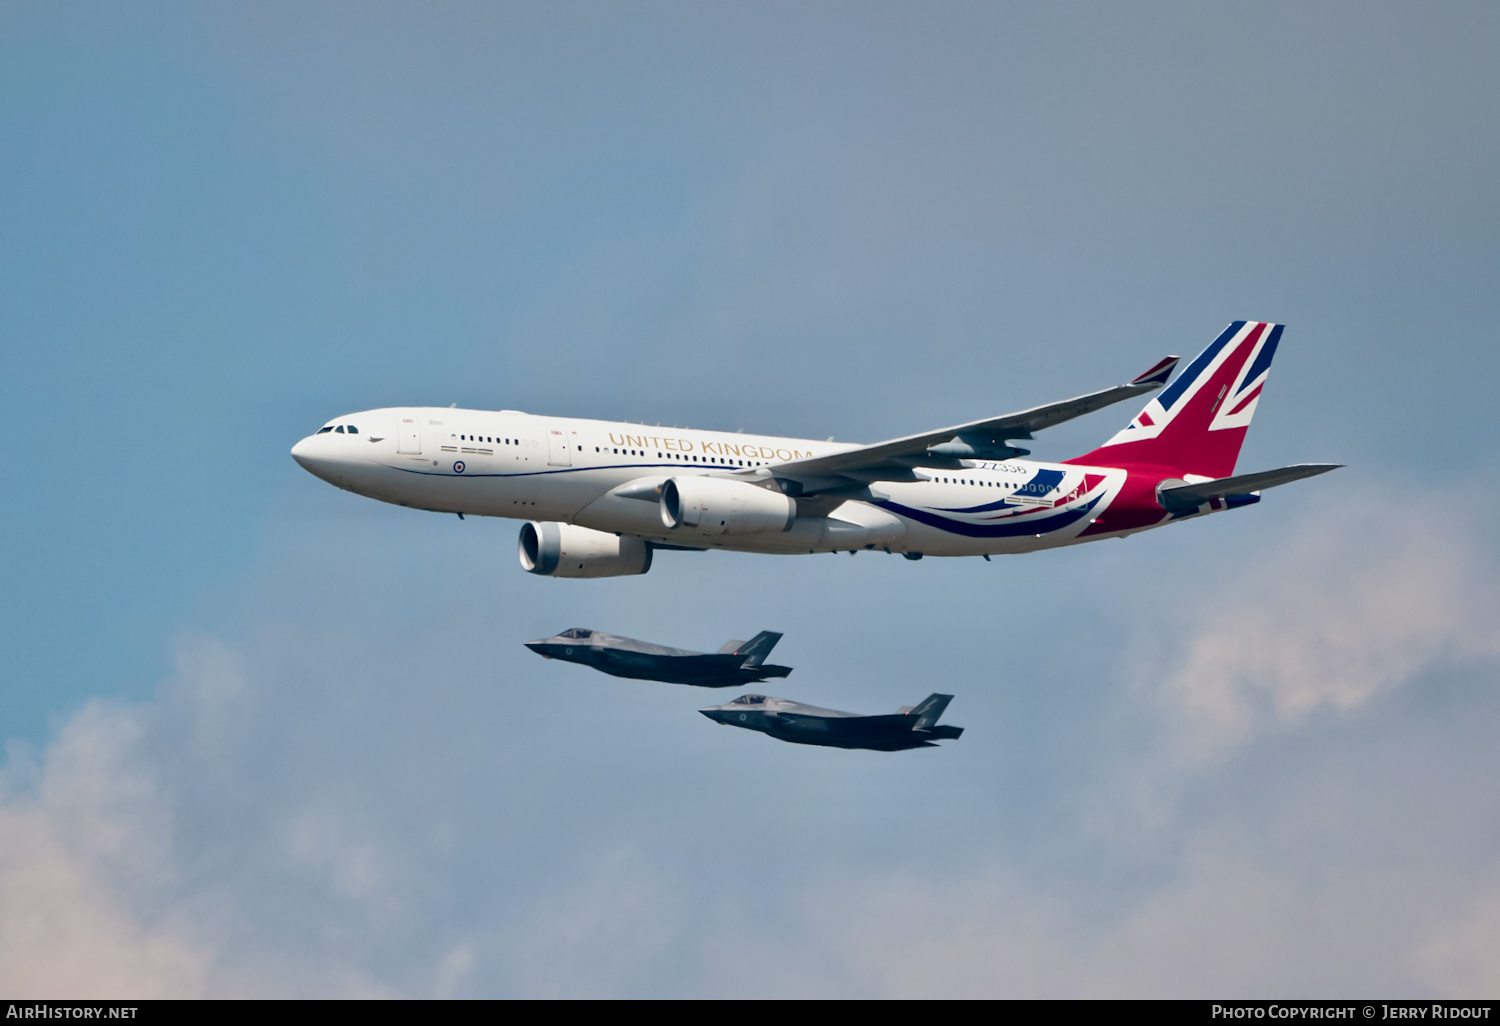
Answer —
302 453
714 713
312 455
539 647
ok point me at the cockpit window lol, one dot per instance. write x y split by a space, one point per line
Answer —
340 429
749 700
324 431
353 430
578 632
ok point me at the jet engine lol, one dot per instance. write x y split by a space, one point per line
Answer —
715 505
567 550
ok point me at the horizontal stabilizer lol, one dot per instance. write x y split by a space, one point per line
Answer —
943 732
1191 496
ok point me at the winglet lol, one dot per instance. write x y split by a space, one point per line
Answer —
1159 373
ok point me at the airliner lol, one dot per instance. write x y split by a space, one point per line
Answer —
599 498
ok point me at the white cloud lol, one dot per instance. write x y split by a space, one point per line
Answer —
1462 955
599 935
71 856
1348 608
1232 922
95 899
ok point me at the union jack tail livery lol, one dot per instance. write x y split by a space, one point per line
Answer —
1197 424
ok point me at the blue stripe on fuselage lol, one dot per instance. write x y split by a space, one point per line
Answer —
1042 525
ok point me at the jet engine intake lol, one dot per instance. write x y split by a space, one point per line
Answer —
566 550
715 505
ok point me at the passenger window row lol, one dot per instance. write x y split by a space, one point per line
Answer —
1030 489
679 456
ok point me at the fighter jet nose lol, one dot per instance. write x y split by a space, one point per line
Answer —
539 647
715 714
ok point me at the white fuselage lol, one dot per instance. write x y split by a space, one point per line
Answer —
510 464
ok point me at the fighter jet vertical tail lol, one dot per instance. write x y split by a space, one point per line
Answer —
929 711
757 648
1197 424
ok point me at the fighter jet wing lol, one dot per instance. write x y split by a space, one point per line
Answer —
978 439
805 722
843 724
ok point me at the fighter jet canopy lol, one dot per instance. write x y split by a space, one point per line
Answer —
577 633
749 700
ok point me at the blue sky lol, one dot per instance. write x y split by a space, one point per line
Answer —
265 737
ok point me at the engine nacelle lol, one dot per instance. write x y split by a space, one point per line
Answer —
715 505
567 550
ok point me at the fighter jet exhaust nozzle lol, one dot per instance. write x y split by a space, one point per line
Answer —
711 506
566 550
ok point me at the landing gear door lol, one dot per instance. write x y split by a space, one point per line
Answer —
559 453
408 436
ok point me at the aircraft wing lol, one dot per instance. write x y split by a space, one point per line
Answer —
1191 496
979 439
804 722
843 724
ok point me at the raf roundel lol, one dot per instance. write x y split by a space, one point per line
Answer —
458 468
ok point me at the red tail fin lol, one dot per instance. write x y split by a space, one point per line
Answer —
1197 424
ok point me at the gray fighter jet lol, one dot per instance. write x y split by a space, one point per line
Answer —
808 725
736 664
